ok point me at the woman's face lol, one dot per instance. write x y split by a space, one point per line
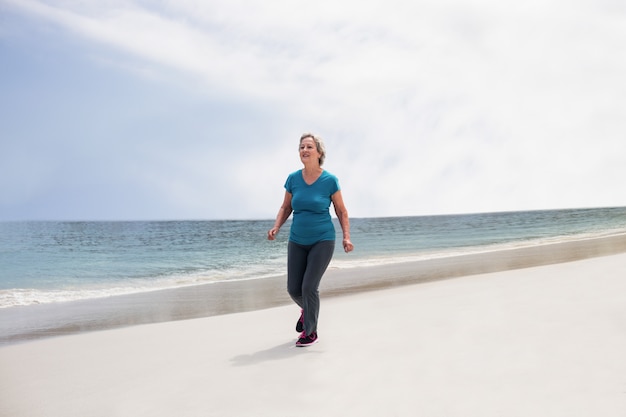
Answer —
308 151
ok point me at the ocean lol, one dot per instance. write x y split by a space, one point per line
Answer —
55 262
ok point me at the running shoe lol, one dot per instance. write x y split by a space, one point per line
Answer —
300 323
307 340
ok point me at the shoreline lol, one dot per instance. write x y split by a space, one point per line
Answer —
22 324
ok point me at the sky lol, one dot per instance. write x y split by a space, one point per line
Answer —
193 109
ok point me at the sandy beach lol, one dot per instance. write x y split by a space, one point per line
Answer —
537 332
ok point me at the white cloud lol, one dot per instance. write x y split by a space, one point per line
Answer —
428 106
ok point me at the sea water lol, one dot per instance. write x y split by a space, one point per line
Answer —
46 262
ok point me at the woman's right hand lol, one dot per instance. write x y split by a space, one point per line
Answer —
271 234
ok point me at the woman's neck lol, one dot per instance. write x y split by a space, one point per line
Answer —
312 169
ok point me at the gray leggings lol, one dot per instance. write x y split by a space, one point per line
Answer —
305 266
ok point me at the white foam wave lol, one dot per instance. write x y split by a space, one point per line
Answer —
26 297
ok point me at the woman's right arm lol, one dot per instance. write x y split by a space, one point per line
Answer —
283 214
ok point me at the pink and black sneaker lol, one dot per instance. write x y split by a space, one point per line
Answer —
307 340
300 323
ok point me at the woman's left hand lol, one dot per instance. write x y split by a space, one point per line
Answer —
347 245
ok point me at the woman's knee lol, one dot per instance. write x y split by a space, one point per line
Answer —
294 292
310 289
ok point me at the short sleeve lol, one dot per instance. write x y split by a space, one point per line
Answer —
335 186
289 184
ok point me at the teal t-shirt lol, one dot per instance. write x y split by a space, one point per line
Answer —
310 203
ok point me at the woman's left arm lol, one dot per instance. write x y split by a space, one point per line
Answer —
344 221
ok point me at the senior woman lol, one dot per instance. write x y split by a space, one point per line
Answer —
308 194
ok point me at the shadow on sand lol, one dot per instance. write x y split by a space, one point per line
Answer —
282 351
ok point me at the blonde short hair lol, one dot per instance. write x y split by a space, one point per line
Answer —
319 143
